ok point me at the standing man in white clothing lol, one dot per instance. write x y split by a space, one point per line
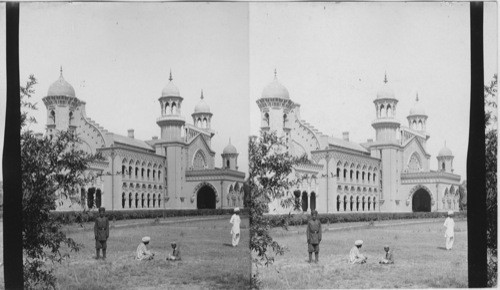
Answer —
235 231
450 230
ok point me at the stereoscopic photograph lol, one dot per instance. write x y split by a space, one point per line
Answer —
247 145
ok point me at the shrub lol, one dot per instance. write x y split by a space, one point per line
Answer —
301 219
69 217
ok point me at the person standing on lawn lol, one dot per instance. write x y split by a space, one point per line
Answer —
101 233
355 257
143 254
449 223
235 230
313 236
389 259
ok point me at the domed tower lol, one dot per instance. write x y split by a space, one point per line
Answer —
202 115
385 124
171 122
417 118
445 159
275 107
230 157
61 103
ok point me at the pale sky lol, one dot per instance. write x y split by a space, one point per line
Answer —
332 58
118 57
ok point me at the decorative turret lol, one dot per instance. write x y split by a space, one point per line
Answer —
445 159
171 122
385 125
275 106
61 103
202 115
417 118
230 157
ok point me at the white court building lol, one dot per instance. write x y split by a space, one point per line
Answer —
389 174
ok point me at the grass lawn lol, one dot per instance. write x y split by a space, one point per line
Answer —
208 259
421 260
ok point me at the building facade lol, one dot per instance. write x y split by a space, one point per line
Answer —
389 174
175 171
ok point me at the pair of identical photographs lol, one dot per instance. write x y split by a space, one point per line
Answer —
145 72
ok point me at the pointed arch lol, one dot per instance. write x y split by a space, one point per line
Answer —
199 161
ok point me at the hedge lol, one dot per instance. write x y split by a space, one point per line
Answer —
301 219
69 217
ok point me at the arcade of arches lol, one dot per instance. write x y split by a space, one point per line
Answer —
356 203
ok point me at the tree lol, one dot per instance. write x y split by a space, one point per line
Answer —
491 178
270 167
50 167
462 191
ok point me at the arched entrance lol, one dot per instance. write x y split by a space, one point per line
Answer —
421 201
313 201
205 197
305 204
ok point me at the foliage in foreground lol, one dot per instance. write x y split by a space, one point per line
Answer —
491 179
270 166
49 168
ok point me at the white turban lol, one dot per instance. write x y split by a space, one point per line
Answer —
237 209
450 212
146 239
358 242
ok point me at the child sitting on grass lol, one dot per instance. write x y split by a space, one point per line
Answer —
176 253
388 259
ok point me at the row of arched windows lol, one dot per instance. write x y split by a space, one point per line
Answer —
140 170
350 172
141 200
386 111
235 195
356 203
144 186
202 123
171 107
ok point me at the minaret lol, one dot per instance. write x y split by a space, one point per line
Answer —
417 118
275 109
386 147
171 121
385 124
61 104
445 159
202 116
230 157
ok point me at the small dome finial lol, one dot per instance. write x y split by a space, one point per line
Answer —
275 74
60 70
201 94
417 97
229 140
170 78
385 77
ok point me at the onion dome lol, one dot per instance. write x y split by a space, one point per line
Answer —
230 149
417 108
445 151
202 106
275 90
61 88
170 90
386 92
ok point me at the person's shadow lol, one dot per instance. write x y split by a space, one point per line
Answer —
227 245
442 248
